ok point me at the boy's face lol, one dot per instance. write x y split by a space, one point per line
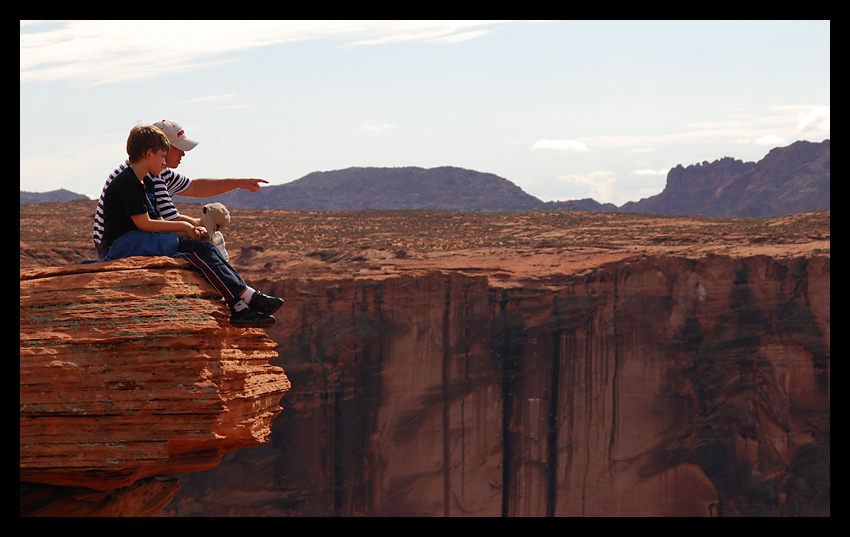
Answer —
155 161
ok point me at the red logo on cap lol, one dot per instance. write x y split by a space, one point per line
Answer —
179 134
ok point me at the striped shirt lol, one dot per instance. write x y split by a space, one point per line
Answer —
166 184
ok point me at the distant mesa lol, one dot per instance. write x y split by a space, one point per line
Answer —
445 188
788 180
49 197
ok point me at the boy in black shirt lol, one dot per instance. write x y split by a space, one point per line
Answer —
133 226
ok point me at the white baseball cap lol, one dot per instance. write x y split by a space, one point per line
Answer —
176 136
216 216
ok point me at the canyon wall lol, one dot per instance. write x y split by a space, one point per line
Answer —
653 386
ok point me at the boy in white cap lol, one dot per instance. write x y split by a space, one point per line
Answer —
169 183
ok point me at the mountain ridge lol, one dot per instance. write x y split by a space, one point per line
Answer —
48 197
441 188
788 180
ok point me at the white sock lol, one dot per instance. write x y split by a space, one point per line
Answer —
239 306
247 294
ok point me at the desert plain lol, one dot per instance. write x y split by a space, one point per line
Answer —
505 246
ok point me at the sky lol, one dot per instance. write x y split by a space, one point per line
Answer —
564 109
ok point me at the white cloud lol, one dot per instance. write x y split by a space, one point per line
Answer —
458 38
782 125
425 31
560 145
815 120
103 52
597 185
98 52
770 139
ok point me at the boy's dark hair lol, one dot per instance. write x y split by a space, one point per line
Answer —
143 138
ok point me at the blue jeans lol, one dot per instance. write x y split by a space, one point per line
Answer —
203 255
206 257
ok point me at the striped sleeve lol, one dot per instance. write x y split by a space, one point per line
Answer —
163 199
97 232
169 183
175 182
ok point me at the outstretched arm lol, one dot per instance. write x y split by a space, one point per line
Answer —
204 188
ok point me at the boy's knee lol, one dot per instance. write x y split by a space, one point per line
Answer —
209 249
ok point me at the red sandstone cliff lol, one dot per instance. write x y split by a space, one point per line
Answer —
130 371
521 364
650 386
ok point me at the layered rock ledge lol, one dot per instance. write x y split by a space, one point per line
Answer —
130 371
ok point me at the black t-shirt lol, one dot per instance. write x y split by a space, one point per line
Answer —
126 197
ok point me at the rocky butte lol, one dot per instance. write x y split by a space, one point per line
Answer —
523 364
788 180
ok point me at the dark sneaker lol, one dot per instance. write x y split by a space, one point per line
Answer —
263 303
249 318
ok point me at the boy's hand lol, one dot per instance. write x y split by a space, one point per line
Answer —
199 233
190 231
